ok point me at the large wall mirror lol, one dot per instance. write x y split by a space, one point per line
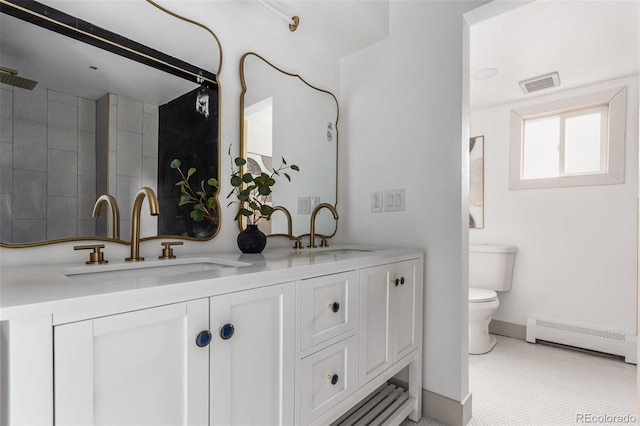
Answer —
104 98
281 115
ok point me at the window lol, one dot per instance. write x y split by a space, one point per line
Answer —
572 142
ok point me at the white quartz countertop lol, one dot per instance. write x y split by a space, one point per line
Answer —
75 291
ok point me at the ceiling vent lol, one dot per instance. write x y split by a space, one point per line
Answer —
541 82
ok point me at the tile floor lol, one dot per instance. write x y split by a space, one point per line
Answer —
519 383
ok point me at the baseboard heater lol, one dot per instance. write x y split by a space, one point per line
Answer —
388 405
595 339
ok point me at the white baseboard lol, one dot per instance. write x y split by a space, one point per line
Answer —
440 408
508 329
446 410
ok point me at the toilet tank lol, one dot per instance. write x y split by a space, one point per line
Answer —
491 266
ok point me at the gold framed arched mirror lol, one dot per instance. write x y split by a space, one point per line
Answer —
115 101
283 116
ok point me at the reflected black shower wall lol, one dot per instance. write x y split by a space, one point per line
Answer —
192 138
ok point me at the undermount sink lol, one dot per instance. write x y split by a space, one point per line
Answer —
153 268
341 251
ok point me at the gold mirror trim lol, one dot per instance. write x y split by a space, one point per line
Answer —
162 8
243 144
216 82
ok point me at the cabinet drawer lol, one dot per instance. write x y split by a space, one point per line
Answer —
326 378
328 305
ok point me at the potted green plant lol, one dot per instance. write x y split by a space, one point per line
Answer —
201 197
252 192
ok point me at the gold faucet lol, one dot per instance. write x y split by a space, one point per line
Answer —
135 220
289 234
314 213
115 213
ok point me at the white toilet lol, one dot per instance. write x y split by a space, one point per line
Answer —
490 270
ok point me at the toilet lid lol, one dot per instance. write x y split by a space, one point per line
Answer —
479 295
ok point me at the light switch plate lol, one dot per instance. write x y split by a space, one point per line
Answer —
394 200
304 205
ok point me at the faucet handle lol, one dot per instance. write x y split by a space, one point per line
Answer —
298 244
96 257
167 251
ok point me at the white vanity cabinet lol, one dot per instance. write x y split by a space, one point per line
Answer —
292 339
142 367
193 363
390 317
346 357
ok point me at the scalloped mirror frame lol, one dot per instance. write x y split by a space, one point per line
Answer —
161 62
243 146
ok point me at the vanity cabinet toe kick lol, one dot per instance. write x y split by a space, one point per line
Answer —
314 351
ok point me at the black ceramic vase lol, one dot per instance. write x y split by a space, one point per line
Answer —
252 240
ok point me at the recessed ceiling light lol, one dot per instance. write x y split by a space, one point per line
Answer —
486 73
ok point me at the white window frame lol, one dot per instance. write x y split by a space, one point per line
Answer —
613 169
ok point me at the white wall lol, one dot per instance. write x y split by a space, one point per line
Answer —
401 108
577 254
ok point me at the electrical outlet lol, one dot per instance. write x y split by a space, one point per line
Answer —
376 202
394 200
314 202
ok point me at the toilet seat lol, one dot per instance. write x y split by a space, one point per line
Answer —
481 295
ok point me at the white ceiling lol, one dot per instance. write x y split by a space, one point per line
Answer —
584 41
343 26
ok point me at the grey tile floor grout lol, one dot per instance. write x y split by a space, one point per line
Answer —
520 383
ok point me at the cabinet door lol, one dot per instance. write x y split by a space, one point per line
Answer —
136 368
389 317
252 357
374 343
403 312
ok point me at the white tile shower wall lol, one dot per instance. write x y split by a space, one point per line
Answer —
149 175
6 161
103 159
133 158
577 246
6 185
41 130
87 166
